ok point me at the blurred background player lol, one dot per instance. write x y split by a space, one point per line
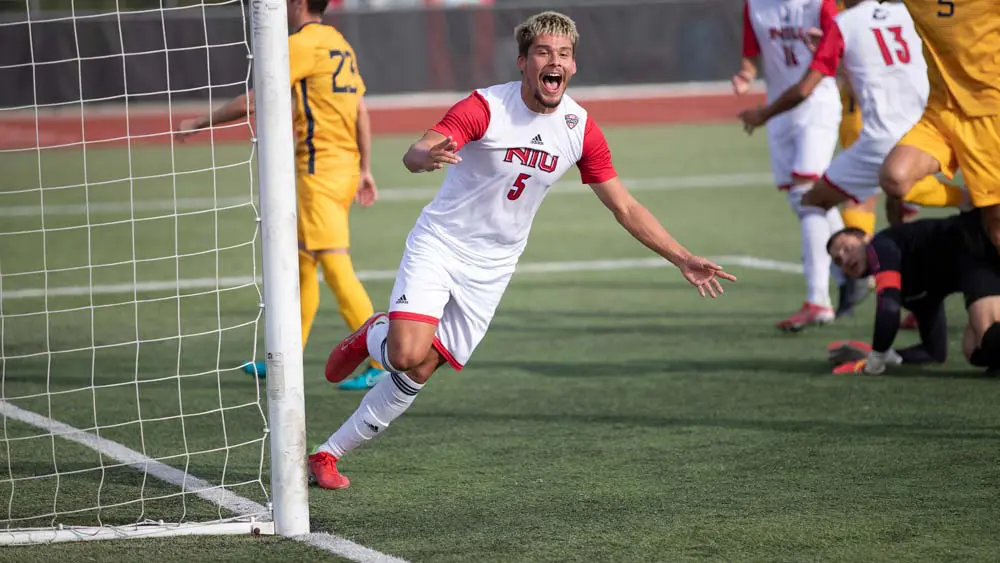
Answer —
961 125
801 142
506 144
917 265
333 168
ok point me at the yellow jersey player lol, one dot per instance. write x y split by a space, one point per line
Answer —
960 127
333 167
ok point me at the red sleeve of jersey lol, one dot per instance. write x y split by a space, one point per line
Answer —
827 13
829 51
466 121
750 46
595 163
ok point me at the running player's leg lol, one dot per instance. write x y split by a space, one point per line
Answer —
851 177
812 147
401 340
404 341
924 150
795 171
475 295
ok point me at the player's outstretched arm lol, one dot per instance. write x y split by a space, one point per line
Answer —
431 152
237 108
793 96
645 228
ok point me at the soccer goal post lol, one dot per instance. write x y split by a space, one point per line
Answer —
141 271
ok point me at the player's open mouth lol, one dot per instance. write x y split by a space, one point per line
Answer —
551 81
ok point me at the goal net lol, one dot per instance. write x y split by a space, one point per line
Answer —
131 269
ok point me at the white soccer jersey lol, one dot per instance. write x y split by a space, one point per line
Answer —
882 55
776 30
510 157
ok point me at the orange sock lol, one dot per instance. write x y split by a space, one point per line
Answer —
859 218
932 192
308 292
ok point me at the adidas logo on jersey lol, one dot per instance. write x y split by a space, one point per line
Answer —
402 300
537 140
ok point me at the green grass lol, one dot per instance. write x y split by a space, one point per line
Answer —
607 416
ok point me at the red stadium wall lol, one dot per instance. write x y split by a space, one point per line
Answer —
148 126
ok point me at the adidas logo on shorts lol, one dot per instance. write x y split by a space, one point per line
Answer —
537 140
402 300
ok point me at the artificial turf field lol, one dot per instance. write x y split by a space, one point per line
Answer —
611 414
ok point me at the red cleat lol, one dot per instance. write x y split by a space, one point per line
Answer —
809 314
348 355
909 322
323 467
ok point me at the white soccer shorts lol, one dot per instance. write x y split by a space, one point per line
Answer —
854 172
800 150
434 286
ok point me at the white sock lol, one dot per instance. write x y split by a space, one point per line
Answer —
390 397
378 335
815 260
836 223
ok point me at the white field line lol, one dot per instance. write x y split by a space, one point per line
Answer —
651 184
212 493
369 275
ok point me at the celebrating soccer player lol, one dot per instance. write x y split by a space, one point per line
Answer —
504 146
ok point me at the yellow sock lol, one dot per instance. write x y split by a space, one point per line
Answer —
932 192
308 292
355 305
860 219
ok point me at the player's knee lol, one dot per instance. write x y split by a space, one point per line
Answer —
426 369
406 355
894 178
822 196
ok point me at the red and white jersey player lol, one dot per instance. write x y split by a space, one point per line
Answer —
506 145
801 142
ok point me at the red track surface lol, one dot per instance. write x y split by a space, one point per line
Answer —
150 128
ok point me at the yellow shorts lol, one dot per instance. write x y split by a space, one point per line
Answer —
324 201
957 141
850 122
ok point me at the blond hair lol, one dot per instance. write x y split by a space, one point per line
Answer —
545 23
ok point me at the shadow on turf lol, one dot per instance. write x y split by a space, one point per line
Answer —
838 428
651 367
632 368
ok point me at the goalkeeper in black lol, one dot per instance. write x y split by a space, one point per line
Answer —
916 266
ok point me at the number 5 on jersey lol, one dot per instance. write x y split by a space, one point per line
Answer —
518 186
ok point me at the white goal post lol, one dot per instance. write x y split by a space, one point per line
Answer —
136 272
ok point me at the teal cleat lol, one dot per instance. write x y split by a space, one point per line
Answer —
365 380
255 368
